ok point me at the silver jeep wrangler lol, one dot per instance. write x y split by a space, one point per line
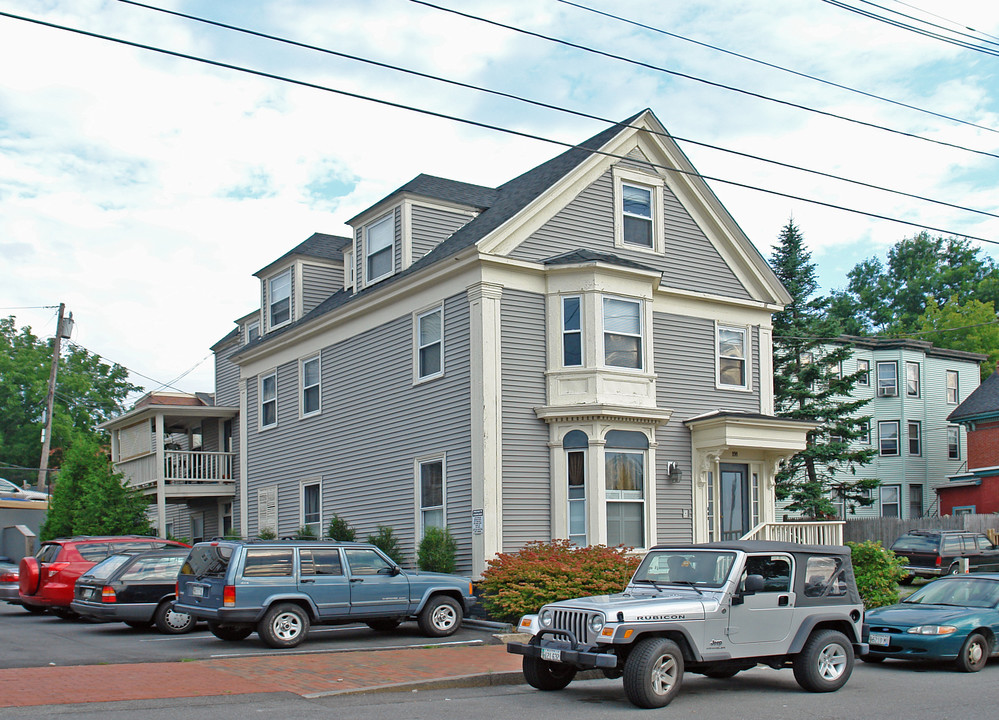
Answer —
714 609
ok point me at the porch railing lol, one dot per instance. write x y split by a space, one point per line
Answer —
179 466
806 533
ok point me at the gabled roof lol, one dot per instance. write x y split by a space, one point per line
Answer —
317 245
981 404
438 188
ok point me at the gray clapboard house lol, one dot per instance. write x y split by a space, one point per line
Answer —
583 352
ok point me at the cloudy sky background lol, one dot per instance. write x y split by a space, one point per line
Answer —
144 190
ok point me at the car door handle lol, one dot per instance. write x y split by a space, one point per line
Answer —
357 579
308 581
783 601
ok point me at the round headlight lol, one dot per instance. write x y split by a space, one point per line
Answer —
545 618
596 623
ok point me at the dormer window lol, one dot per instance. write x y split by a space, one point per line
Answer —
252 331
637 213
638 210
378 256
279 294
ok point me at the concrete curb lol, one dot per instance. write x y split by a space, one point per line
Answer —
459 681
477 624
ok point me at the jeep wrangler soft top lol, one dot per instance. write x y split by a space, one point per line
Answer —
715 609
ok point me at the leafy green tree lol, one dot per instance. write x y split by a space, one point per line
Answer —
438 551
878 571
809 385
89 391
967 326
91 499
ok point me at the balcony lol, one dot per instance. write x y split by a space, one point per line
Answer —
184 474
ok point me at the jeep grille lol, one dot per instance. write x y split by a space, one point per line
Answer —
575 621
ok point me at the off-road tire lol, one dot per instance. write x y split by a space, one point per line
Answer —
543 675
284 625
169 622
440 617
825 662
230 633
653 672
974 653
383 624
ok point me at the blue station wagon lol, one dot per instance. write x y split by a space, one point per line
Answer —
279 588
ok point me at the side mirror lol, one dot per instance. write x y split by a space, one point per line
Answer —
754 584
396 570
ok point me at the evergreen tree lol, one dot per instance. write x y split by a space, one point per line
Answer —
809 385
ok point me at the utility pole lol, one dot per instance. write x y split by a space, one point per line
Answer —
64 327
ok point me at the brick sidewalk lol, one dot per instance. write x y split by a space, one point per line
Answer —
305 674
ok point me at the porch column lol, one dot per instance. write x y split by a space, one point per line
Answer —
487 421
242 495
160 471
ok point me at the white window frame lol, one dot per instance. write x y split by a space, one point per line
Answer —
956 387
744 330
570 500
318 385
643 345
261 401
909 425
883 388
898 439
614 496
349 269
866 369
955 431
909 367
576 332
310 483
897 502
421 509
645 181
250 327
270 300
418 347
388 219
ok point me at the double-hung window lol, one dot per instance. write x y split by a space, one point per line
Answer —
888 437
572 332
575 444
864 370
622 333
624 479
952 387
312 513
430 344
379 238
891 500
252 331
268 400
887 379
310 386
912 379
432 493
732 366
953 442
279 298
636 211
915 438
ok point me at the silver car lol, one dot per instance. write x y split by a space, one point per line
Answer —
10 491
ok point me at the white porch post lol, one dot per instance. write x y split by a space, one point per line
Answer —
487 420
242 494
159 472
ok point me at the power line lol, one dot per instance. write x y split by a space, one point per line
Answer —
925 22
694 78
941 17
32 307
130 370
549 106
773 66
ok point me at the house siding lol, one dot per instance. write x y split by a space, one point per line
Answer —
226 377
318 283
526 457
431 226
587 222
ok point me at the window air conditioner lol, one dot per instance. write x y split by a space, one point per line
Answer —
887 392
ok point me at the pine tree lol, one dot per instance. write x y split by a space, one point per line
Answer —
809 385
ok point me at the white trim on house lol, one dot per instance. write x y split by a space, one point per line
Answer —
418 464
260 400
747 352
647 181
417 318
302 484
317 358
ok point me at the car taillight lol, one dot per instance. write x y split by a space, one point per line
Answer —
9 576
53 568
108 595
229 596
938 560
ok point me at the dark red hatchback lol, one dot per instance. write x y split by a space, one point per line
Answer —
47 580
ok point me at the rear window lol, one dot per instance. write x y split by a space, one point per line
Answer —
106 568
268 562
916 543
154 569
48 553
93 552
824 577
207 561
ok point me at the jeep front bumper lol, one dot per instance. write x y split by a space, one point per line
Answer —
561 651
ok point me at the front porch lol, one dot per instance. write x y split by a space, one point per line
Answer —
806 533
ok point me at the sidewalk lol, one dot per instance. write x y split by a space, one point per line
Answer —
309 675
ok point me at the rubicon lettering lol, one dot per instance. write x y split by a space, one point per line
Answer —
661 617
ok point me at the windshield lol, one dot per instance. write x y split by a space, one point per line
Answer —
106 568
8 486
209 560
962 592
702 568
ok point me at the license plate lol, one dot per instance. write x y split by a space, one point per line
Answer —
197 591
879 639
551 655
87 593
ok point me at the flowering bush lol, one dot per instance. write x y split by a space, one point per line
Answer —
519 583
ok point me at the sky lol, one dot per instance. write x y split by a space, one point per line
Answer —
143 190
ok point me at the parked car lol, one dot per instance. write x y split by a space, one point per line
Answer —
714 609
47 580
8 582
954 618
10 491
136 588
932 553
279 588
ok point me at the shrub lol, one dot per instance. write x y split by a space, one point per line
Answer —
878 571
305 533
386 541
340 529
519 583
438 550
267 534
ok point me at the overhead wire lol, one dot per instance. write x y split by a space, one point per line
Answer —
771 65
704 81
926 22
549 106
130 370
952 22
483 125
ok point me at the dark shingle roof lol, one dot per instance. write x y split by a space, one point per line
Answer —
317 245
983 402
581 256
438 188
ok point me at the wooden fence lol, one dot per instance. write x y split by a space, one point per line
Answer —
887 530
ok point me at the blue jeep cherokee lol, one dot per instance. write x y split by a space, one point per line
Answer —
279 588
